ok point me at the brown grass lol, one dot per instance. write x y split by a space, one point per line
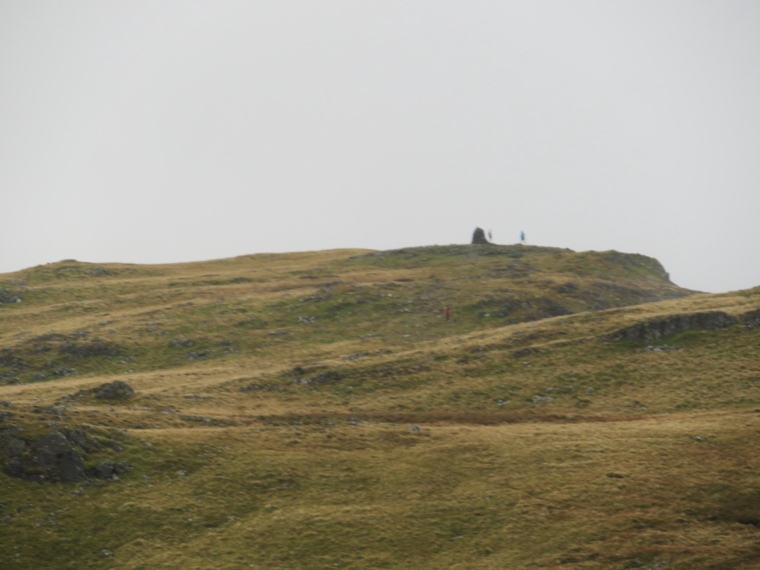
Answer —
433 446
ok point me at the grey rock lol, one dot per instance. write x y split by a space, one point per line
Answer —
658 328
89 349
328 377
11 446
523 352
116 390
355 356
567 289
49 458
57 459
660 348
14 468
751 318
53 457
12 430
195 355
539 399
79 438
109 470
8 296
102 271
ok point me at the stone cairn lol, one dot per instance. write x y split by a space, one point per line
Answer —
479 237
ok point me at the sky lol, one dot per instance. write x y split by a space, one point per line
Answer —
160 131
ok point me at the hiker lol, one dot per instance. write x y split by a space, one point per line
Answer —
522 237
447 313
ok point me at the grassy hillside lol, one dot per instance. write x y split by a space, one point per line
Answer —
316 410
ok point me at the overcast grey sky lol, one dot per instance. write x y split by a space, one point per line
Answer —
154 131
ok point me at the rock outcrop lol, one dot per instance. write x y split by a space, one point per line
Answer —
50 457
649 331
55 457
9 296
116 390
751 318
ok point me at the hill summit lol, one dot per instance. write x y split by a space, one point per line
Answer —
343 291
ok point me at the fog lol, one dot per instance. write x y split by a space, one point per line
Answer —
163 131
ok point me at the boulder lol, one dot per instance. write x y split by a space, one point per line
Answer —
107 469
116 390
55 457
48 458
328 377
78 437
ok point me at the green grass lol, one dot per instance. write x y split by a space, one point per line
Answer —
374 433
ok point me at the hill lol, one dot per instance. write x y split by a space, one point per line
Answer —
316 410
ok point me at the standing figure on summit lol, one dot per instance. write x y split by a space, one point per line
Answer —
522 237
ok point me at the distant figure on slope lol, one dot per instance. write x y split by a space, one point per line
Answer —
447 313
522 237
490 236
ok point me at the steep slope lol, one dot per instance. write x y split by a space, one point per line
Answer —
316 410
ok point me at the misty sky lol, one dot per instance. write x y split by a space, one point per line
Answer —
155 131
